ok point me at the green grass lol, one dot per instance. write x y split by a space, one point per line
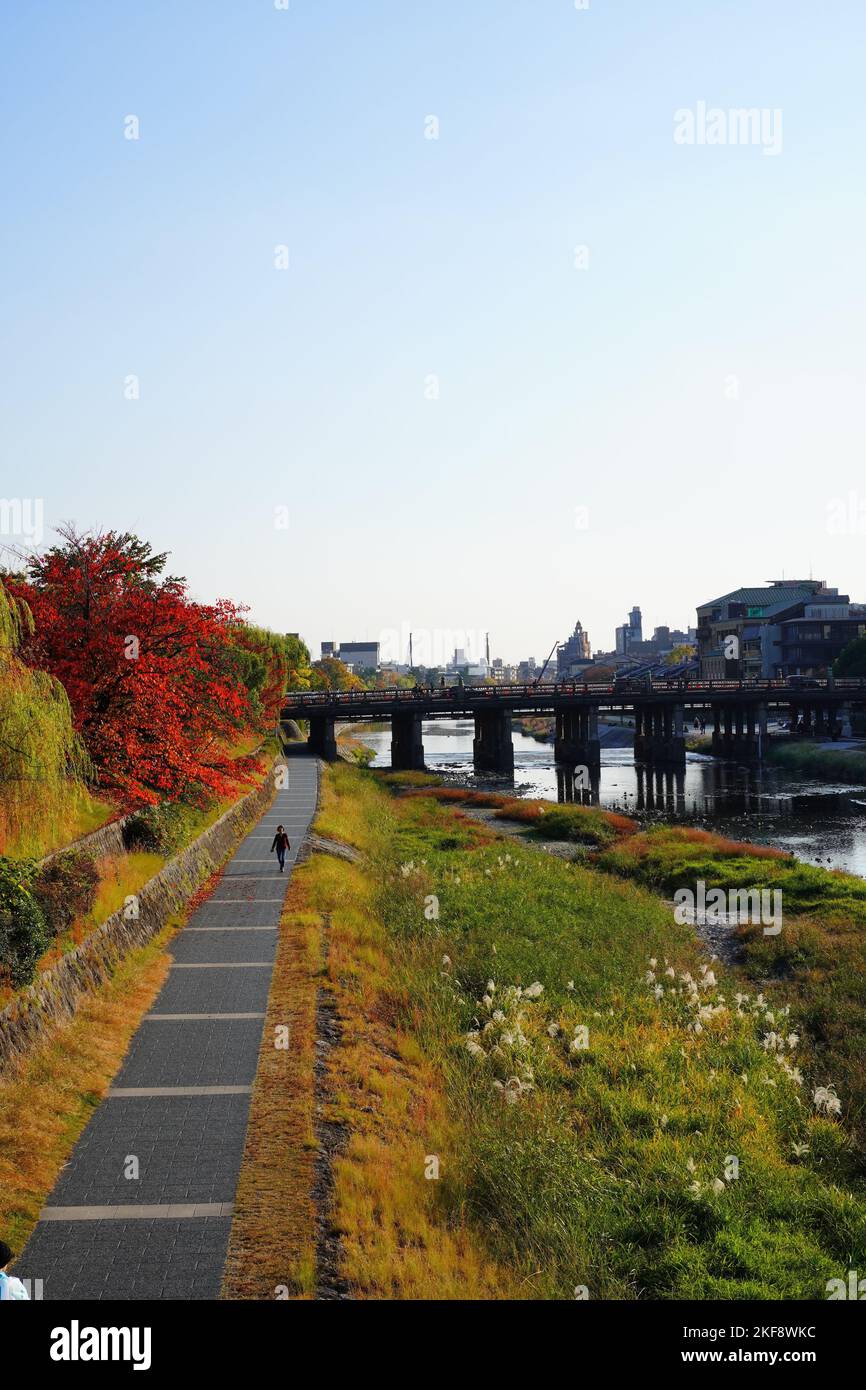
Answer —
672 857
846 766
586 825
409 779
600 1172
817 963
69 816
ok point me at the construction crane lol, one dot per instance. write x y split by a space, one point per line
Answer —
537 680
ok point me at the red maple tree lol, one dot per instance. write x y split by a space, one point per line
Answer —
149 674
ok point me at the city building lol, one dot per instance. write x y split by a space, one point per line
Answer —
358 656
788 627
630 633
573 655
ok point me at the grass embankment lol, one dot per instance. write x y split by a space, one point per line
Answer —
846 764
817 963
354 747
378 1085
74 814
603 1110
272 1250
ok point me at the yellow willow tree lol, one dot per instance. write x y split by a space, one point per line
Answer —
42 759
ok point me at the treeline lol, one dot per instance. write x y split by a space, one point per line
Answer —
115 683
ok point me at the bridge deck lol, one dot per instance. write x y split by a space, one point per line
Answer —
457 702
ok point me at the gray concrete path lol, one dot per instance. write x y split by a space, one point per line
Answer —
177 1111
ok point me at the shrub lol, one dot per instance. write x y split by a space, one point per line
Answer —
23 933
65 888
363 755
582 824
160 829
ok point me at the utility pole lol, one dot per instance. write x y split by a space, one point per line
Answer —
411 662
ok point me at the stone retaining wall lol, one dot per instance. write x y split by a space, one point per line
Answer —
108 839
55 995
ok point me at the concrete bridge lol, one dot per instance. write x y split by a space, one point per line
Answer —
738 712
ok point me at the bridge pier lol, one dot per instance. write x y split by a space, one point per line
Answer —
492 748
407 747
659 734
857 718
740 732
323 738
576 739
814 720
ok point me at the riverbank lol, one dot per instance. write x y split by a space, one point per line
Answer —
610 735
843 762
820 820
542 1085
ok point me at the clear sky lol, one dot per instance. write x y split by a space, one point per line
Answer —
697 388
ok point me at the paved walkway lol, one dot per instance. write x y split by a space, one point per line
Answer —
180 1102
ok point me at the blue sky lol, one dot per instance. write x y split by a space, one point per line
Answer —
697 389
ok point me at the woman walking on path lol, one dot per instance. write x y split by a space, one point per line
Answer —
281 845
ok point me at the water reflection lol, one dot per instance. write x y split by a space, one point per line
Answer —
661 789
582 785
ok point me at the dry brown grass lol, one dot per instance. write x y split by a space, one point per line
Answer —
272 1249
396 1242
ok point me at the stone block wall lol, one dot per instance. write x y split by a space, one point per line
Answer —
56 993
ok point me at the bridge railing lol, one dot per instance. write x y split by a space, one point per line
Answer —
479 694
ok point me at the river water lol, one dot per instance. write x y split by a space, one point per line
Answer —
820 822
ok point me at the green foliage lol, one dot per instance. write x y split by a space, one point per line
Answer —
410 779
161 829
684 652
851 661
24 935
42 760
581 825
362 755
332 674
669 858
65 888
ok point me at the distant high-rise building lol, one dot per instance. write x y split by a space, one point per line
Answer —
630 633
574 653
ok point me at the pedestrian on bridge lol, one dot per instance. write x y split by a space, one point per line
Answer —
281 845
